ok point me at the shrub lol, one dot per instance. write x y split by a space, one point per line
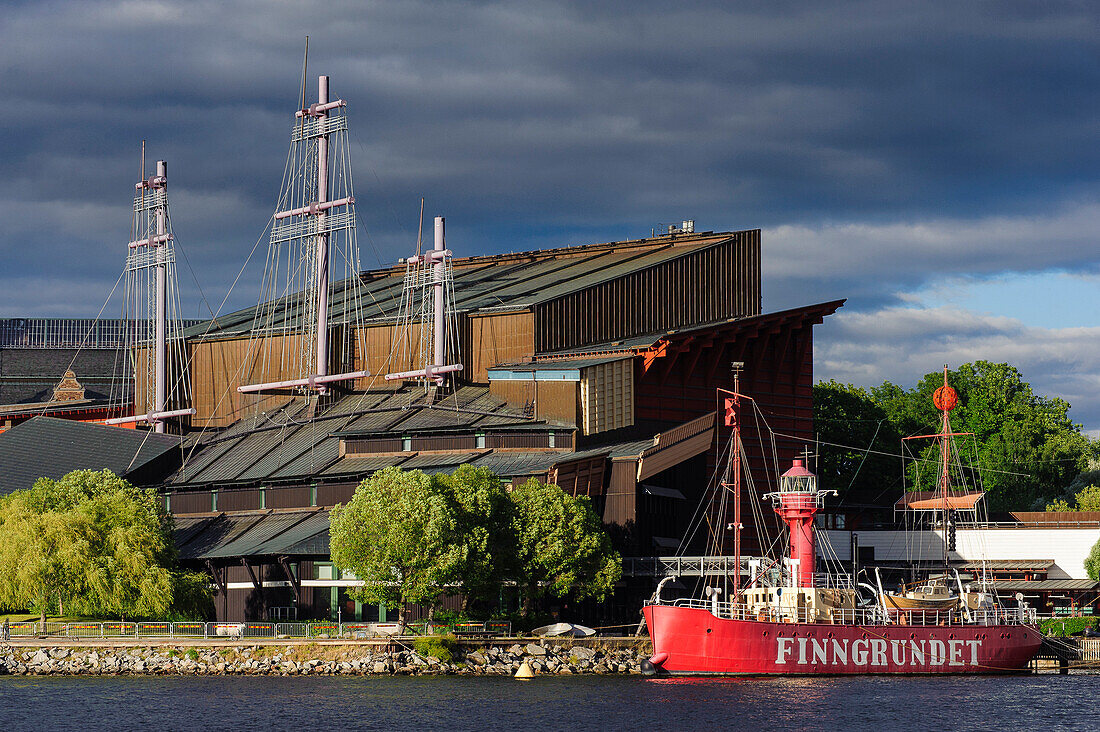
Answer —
442 647
1072 625
192 654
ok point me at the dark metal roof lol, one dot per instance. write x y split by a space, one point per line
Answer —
309 536
1007 564
50 447
219 532
311 462
188 527
281 446
260 533
363 465
253 534
1050 585
485 283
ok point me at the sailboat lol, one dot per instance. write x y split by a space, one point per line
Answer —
941 507
790 619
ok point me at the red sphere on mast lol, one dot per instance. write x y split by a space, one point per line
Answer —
945 398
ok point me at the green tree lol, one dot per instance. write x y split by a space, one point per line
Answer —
561 545
93 544
484 518
399 535
1026 445
1086 499
855 432
1059 505
1092 562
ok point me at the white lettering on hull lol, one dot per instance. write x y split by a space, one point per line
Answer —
877 652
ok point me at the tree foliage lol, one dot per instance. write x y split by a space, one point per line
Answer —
1092 562
560 543
410 537
92 544
1025 444
1087 499
858 431
399 535
484 514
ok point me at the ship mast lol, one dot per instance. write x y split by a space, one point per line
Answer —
733 421
151 285
313 217
429 282
945 400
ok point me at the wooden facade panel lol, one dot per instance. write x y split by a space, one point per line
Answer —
581 477
515 392
295 497
379 353
675 454
370 445
218 367
179 380
620 504
557 400
195 502
497 339
240 500
607 396
707 285
330 495
442 442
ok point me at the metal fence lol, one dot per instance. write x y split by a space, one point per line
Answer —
246 630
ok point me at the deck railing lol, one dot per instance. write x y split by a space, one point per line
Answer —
244 630
873 615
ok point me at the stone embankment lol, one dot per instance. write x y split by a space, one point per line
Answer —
318 660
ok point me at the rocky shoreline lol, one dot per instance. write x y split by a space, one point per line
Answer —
313 659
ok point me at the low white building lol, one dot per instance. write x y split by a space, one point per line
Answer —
1066 546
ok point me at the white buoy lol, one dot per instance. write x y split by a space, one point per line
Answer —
525 671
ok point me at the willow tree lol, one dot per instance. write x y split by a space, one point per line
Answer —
90 543
399 535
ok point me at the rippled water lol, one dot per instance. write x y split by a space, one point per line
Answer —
550 703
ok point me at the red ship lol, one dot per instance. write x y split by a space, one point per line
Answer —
788 619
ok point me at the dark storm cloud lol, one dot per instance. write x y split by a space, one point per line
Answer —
880 144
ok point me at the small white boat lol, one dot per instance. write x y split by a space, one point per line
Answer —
568 629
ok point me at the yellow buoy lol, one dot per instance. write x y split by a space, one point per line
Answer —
525 671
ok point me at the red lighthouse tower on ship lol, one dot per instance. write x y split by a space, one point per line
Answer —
797 502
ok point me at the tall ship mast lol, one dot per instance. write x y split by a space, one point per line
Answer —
153 349
788 618
312 233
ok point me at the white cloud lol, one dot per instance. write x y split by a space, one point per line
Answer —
887 262
903 344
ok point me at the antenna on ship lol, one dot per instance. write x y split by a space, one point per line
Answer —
314 225
154 333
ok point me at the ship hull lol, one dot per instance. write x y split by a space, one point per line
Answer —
693 642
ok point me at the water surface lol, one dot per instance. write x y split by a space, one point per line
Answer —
549 703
